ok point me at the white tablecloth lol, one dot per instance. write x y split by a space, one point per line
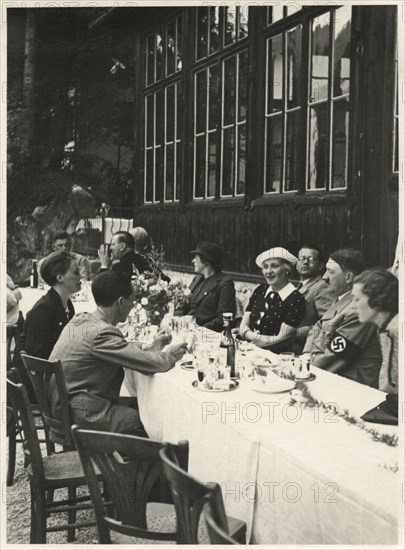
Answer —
296 476
31 295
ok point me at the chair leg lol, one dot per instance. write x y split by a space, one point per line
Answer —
38 516
12 444
71 514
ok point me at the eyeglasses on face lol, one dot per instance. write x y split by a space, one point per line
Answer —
309 259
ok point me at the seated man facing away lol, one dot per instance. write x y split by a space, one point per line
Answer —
93 352
122 256
339 342
316 291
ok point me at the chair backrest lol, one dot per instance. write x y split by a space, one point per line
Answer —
56 415
12 333
218 533
188 496
17 394
131 467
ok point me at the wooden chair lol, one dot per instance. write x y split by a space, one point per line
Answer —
131 467
58 471
57 418
12 334
218 533
13 432
188 495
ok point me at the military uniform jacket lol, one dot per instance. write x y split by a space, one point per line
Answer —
341 344
210 298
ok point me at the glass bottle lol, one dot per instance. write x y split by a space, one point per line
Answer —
228 342
34 275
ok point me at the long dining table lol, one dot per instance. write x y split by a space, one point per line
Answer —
295 474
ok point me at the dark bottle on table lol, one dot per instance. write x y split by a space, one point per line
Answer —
228 342
34 275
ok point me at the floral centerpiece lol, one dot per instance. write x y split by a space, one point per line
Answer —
153 295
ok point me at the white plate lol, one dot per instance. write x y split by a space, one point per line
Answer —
262 388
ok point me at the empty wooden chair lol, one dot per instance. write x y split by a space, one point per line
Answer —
131 467
188 496
46 474
217 532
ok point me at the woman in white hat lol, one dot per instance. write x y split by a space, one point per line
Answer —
275 309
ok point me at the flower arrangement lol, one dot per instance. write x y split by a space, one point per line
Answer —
154 295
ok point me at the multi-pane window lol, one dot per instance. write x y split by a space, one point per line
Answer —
220 104
219 27
317 118
163 113
283 109
329 83
163 130
233 125
206 88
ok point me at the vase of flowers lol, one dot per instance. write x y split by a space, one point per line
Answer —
154 296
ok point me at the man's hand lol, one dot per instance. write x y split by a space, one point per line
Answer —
177 350
104 255
162 339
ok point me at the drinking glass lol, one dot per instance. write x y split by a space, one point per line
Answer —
287 362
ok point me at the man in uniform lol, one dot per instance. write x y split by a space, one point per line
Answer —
338 342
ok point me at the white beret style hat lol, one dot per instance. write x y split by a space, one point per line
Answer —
276 252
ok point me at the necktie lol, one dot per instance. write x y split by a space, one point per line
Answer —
299 285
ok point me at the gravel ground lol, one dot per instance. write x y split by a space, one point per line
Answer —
19 512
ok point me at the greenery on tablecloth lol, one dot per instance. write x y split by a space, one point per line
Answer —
304 396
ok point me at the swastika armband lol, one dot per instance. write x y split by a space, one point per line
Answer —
340 345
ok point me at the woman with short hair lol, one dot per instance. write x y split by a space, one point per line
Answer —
375 300
275 309
51 313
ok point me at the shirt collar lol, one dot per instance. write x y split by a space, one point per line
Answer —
343 295
283 293
310 281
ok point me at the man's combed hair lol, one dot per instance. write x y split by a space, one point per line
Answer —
321 255
126 238
59 235
349 259
111 285
381 287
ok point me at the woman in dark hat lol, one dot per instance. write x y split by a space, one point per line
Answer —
275 309
212 293
47 318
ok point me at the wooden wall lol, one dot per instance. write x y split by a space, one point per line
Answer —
366 217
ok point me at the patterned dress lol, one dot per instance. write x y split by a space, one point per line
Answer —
268 312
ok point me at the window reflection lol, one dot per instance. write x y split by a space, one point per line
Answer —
320 59
342 47
230 25
318 146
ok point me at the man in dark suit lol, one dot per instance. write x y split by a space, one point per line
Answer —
212 293
316 291
122 256
338 342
